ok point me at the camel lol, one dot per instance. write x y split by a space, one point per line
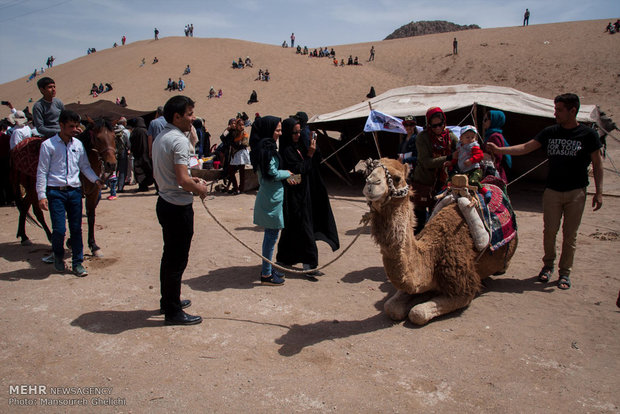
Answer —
441 261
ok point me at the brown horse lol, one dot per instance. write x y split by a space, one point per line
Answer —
24 160
99 143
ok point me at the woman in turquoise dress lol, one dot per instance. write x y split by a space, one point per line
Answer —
268 205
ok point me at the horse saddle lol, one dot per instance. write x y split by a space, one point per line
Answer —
25 155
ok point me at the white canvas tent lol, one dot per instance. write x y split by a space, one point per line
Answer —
526 115
415 100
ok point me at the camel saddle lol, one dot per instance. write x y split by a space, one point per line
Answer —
497 214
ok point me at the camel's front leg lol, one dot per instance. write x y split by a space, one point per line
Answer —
437 306
398 306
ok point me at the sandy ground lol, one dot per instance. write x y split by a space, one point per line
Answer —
309 346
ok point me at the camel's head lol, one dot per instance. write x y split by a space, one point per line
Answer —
385 178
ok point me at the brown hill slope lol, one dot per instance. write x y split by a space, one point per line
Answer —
427 27
541 59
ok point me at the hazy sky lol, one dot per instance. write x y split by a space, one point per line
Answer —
32 30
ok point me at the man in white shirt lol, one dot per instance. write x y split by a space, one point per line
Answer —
61 160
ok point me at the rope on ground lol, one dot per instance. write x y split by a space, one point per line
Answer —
277 266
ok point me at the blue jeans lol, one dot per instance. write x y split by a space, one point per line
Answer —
121 172
269 243
69 202
112 183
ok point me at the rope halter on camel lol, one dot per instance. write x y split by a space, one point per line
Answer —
394 192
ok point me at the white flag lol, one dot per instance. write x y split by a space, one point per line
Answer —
378 121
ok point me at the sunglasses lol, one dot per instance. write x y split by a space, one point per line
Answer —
437 125
296 132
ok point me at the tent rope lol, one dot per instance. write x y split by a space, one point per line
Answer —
335 152
295 270
471 113
527 172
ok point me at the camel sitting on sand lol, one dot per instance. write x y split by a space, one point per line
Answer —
441 261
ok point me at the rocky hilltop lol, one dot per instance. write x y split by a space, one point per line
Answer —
428 27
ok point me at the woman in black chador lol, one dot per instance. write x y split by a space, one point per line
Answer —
308 214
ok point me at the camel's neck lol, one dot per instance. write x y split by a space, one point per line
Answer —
392 228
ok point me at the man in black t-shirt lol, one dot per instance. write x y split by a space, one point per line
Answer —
570 148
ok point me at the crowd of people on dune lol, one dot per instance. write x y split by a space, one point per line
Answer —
613 27
263 75
189 30
331 54
173 85
50 62
97 90
240 63
214 94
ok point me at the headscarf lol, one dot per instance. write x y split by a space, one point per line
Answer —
440 144
302 117
137 122
286 139
498 119
262 152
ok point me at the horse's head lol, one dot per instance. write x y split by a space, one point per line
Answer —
385 178
99 138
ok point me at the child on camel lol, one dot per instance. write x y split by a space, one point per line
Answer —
466 159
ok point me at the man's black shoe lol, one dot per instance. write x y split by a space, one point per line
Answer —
185 303
183 318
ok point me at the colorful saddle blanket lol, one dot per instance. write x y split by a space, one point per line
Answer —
498 217
25 155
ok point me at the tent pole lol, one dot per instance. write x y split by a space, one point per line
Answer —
337 156
374 134
338 174
474 115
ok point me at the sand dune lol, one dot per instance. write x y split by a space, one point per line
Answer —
541 59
